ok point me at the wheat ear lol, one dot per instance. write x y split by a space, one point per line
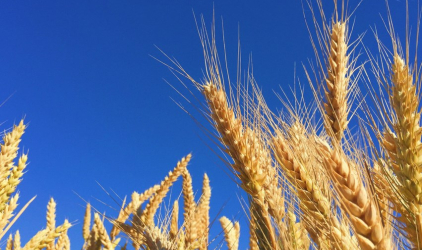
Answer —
17 241
93 241
174 225
313 201
35 241
337 82
9 149
63 242
189 207
404 147
251 161
295 154
407 156
13 180
54 234
151 208
87 222
355 200
51 219
102 233
131 207
7 212
231 233
9 243
202 216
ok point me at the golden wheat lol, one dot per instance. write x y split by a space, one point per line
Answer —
307 187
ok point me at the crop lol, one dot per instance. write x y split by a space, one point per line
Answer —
312 181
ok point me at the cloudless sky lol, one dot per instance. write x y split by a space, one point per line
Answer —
99 110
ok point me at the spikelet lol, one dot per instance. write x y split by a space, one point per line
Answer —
231 233
337 83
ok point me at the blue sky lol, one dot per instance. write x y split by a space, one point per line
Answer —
97 105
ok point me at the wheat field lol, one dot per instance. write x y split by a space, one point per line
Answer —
340 171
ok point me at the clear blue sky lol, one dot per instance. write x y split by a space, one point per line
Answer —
97 105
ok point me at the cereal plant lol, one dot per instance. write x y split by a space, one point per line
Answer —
312 181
